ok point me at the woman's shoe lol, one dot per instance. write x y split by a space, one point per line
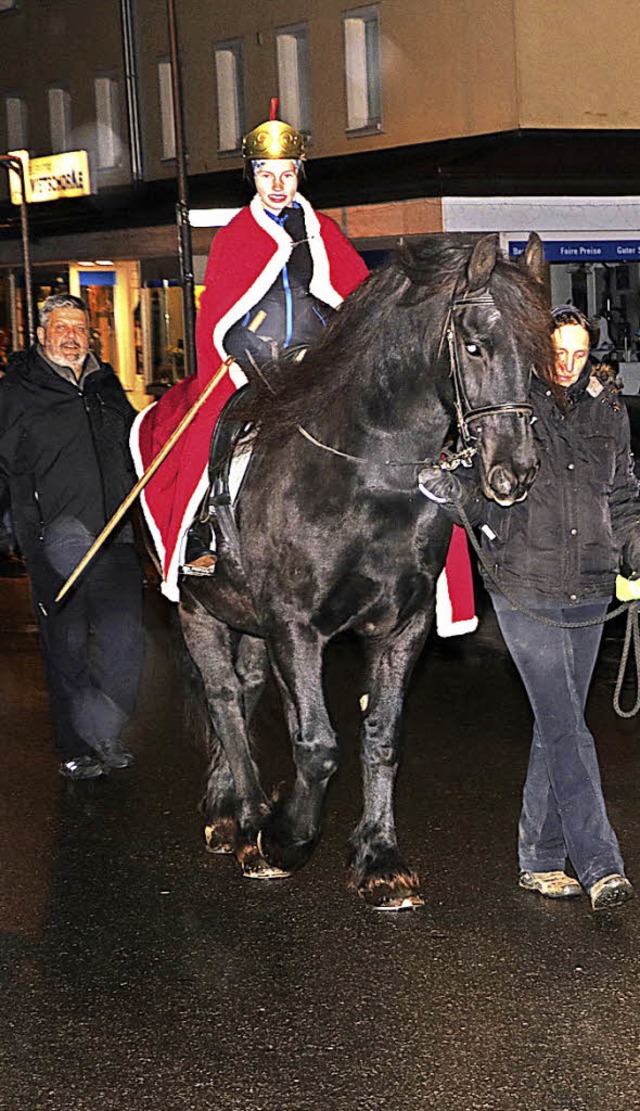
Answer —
610 891
555 885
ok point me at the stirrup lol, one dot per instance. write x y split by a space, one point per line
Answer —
555 885
203 565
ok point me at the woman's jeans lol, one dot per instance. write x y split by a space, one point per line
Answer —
563 810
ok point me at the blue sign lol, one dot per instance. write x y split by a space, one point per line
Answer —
585 250
97 277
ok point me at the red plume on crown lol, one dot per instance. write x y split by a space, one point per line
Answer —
273 108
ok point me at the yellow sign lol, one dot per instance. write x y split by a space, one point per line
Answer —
52 178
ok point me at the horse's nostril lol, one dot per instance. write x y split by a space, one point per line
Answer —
502 482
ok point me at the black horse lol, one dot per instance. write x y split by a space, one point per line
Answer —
334 535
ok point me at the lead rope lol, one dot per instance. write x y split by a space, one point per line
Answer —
632 631
631 634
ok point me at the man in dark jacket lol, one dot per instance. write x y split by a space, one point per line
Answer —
64 458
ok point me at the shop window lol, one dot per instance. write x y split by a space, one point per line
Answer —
59 118
16 118
292 53
166 109
97 288
363 69
107 122
163 327
228 65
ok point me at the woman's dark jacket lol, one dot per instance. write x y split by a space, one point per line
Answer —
64 459
580 521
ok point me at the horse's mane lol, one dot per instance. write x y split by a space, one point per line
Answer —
384 322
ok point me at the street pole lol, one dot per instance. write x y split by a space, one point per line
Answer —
182 206
15 164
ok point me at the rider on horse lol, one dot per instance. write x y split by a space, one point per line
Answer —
275 275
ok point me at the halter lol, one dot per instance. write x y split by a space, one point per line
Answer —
465 414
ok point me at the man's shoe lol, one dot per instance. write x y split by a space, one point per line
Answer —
82 767
204 565
113 753
610 891
555 885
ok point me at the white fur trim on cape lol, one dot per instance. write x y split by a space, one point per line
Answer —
134 447
320 285
445 625
169 585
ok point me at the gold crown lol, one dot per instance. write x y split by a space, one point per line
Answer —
273 139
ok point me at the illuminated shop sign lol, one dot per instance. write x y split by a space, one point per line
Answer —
52 178
584 250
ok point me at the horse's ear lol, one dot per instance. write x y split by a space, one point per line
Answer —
532 258
482 261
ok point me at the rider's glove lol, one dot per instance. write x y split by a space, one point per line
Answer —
628 590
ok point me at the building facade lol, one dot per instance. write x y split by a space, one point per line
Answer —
421 116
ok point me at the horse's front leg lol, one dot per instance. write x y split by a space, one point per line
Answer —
291 831
233 669
377 871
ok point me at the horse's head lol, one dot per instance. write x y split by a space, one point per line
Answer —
497 333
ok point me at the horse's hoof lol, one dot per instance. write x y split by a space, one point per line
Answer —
397 902
255 867
287 856
391 892
220 837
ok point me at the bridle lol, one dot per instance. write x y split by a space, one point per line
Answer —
466 415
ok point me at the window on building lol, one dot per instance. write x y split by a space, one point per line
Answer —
292 53
166 110
229 68
107 122
16 118
59 119
363 68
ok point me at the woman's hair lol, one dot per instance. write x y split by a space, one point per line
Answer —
569 314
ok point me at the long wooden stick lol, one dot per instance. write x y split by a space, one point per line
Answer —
143 480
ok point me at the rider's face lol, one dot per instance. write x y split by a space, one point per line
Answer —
277 183
571 344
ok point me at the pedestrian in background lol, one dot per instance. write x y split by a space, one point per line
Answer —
556 555
65 463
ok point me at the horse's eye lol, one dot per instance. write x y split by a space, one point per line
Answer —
473 349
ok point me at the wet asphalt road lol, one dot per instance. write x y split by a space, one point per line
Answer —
140 974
